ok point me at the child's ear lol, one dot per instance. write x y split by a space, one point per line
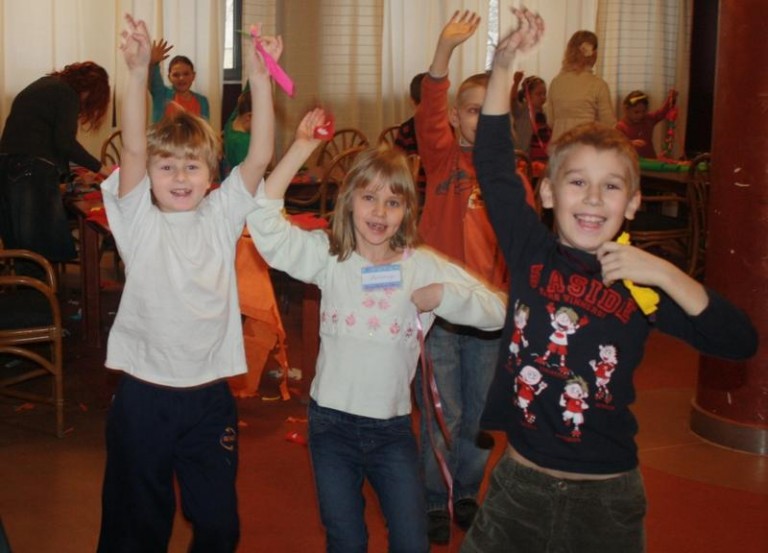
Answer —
545 193
453 117
633 205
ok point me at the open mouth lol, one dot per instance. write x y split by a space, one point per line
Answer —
590 222
181 192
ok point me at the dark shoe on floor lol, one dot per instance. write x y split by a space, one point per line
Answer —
439 527
464 511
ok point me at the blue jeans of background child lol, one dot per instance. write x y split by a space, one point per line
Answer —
346 449
154 432
464 362
528 511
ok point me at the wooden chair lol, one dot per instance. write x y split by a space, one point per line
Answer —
31 331
699 179
668 224
111 148
320 198
389 135
343 140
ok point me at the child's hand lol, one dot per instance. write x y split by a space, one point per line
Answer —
621 261
428 297
460 27
524 38
159 52
311 121
135 43
672 95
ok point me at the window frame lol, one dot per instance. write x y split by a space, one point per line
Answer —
236 72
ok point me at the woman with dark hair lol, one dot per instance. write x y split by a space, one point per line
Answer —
39 142
576 95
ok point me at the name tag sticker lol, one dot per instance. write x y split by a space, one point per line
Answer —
382 276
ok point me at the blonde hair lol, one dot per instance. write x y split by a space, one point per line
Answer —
479 80
574 58
388 167
186 136
600 137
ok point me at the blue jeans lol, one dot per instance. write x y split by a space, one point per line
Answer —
346 449
528 511
464 362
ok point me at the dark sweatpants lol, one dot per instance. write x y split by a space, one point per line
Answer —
154 433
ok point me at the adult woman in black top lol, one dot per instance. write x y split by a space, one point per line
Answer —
38 143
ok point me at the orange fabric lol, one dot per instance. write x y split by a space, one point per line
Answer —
263 331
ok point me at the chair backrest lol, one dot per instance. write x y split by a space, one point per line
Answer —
699 179
389 135
343 139
333 177
111 148
30 316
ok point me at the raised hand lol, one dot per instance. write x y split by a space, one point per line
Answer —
522 39
459 28
159 52
135 43
310 122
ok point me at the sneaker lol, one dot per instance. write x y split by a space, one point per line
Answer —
464 511
439 527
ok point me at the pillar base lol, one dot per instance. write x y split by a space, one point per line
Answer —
728 433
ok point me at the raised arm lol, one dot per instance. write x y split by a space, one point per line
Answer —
136 47
262 144
460 27
303 146
522 39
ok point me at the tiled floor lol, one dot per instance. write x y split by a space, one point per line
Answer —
702 498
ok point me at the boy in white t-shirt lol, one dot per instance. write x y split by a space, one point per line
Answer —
177 335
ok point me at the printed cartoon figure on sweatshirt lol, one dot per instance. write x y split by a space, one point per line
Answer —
573 402
529 383
565 321
518 340
604 368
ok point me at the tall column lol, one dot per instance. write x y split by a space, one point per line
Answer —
731 403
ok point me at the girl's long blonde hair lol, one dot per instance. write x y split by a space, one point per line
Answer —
386 166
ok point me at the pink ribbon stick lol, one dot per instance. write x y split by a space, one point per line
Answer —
280 76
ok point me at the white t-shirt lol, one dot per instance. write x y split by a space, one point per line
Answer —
369 345
178 323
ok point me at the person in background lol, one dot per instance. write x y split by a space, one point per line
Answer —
576 95
455 223
569 479
378 290
237 132
177 335
181 73
406 134
38 143
637 124
530 122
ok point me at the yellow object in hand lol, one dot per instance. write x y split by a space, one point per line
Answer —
646 298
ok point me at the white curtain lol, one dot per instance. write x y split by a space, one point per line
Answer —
40 36
646 46
410 32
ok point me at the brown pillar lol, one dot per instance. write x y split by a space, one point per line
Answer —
731 403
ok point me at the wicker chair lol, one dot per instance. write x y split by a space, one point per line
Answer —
30 331
343 140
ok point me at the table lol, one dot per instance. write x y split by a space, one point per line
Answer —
664 181
90 233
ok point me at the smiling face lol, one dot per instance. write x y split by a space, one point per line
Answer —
538 95
181 76
591 195
178 184
377 214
